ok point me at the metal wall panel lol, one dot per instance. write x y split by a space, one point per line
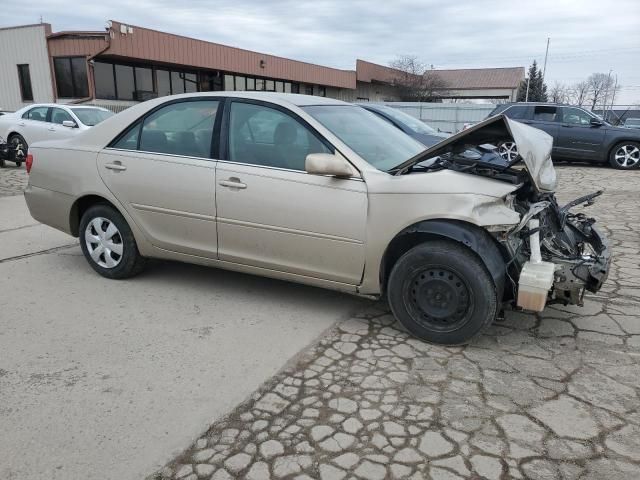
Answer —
24 45
446 117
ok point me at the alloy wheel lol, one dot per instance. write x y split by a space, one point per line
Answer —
508 151
627 156
104 242
18 146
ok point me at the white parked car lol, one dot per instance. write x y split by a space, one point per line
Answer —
49 121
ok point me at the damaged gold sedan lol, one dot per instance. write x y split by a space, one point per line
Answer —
318 191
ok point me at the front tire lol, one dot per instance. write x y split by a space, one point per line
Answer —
20 146
625 156
108 243
442 293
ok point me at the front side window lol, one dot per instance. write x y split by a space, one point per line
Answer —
543 113
39 114
71 77
261 135
59 115
575 116
91 116
24 78
375 140
184 128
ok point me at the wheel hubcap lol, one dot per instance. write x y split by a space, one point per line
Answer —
440 299
104 242
627 156
508 151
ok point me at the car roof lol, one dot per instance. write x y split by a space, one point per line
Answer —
62 105
296 99
546 104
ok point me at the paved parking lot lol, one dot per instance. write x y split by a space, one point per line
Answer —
549 396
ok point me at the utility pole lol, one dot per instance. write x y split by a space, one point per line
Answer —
546 54
606 95
526 95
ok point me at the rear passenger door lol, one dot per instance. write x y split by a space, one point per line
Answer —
162 171
33 125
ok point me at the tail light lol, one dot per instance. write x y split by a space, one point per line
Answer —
29 163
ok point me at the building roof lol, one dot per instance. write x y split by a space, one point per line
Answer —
459 79
476 78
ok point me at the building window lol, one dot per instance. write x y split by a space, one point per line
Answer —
125 82
177 83
228 83
104 81
322 91
163 82
240 83
308 89
190 82
71 77
295 88
251 83
259 84
269 86
24 78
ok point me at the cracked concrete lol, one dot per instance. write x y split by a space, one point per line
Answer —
13 180
539 396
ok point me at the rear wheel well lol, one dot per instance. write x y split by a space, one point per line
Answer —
80 206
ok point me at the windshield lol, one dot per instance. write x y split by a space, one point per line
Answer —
91 116
413 123
375 140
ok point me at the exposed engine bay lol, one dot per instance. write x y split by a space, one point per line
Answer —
553 255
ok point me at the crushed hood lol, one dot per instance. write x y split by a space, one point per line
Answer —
534 147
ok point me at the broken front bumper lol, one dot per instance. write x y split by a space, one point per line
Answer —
588 271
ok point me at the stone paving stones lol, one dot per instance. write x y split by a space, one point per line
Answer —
546 396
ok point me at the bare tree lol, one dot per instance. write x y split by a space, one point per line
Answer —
559 93
579 93
599 85
414 81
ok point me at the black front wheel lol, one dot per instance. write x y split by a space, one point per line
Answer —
441 292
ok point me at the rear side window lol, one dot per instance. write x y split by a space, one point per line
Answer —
517 112
184 128
38 114
544 113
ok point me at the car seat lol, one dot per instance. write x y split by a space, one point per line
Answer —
153 141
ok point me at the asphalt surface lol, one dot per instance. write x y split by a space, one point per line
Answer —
548 396
109 379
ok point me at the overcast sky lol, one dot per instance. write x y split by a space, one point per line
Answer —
586 35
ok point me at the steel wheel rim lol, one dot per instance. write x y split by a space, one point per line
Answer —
627 156
508 151
104 242
439 299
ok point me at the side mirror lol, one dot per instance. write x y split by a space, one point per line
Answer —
329 164
69 124
595 122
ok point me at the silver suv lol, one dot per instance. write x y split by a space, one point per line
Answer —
323 192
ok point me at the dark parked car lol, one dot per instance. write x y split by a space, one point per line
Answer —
413 127
577 134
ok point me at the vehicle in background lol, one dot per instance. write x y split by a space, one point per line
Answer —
318 191
631 123
39 122
412 126
577 134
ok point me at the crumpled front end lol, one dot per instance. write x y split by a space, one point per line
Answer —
557 255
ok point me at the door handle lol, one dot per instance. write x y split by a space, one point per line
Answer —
52 129
233 182
21 124
117 166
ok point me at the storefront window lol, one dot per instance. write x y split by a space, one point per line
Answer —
251 83
269 86
144 79
125 85
190 82
228 83
163 81
240 83
259 84
177 83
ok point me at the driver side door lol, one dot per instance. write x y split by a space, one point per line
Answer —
577 138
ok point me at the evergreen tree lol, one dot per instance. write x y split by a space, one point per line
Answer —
537 87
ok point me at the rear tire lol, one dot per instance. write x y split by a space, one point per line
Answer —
442 293
108 243
625 156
